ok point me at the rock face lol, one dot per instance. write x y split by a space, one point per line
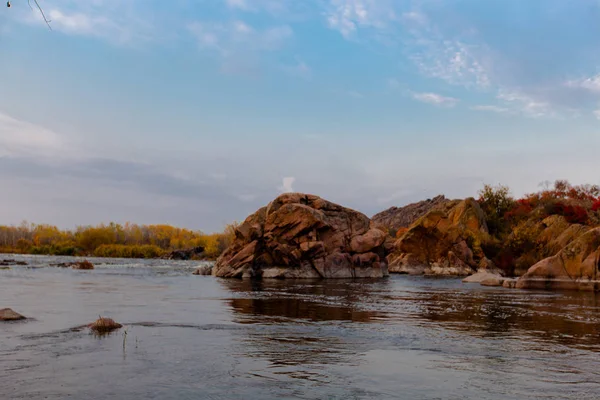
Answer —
6 314
445 241
395 218
575 267
304 236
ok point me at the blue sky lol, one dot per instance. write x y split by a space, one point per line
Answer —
196 113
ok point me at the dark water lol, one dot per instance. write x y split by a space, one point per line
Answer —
191 337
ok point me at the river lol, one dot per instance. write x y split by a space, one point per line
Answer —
192 337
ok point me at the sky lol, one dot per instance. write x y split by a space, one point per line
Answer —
196 113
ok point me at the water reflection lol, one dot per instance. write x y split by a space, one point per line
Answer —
311 300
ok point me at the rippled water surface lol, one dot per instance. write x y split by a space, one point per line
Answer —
191 337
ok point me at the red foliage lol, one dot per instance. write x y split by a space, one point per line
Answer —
521 209
573 214
596 205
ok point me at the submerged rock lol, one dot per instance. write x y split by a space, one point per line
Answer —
445 241
481 276
82 265
7 314
496 281
185 254
304 236
575 267
104 325
203 270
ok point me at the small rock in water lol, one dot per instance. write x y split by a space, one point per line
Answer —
492 282
104 325
481 276
83 265
6 314
3 268
204 270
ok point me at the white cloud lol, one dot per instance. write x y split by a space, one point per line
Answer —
347 16
435 99
287 183
241 4
597 113
490 108
237 36
19 138
526 104
591 83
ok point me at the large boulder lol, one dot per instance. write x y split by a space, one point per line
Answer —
575 267
396 218
445 241
304 236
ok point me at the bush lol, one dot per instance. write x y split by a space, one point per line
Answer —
574 214
125 251
495 202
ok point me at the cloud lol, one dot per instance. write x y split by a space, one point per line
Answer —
23 138
286 186
597 113
347 16
435 99
490 108
237 36
526 104
591 84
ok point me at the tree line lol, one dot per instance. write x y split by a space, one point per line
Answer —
111 240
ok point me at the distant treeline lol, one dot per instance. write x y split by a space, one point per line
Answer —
112 240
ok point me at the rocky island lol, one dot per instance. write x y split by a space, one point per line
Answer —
545 240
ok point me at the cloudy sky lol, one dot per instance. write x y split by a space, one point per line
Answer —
197 112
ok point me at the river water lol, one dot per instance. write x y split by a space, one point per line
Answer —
193 337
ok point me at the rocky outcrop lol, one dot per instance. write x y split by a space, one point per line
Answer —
575 267
396 218
304 236
185 254
6 314
445 241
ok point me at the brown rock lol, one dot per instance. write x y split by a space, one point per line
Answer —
509 283
6 314
445 241
575 267
481 276
304 236
104 325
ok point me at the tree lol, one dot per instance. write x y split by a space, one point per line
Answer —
46 20
495 202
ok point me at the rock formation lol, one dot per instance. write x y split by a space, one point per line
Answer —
304 236
445 241
6 314
396 218
575 267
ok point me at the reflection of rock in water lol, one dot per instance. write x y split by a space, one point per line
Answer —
299 308
293 338
570 319
316 301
